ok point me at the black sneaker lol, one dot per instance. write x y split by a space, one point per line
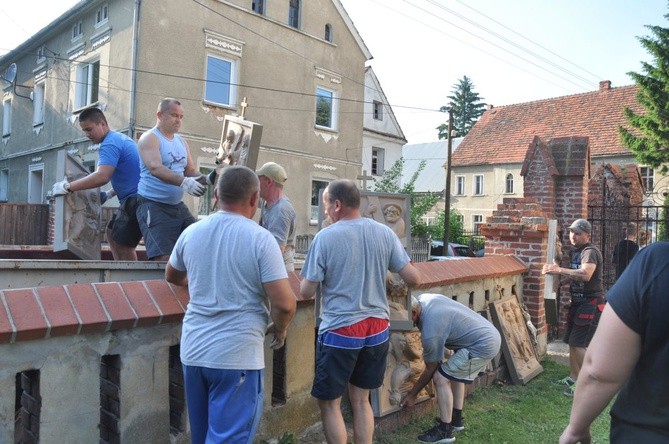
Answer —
457 426
437 435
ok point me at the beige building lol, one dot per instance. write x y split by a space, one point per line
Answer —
299 64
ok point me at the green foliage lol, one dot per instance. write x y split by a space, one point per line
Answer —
648 137
420 203
663 232
467 108
455 228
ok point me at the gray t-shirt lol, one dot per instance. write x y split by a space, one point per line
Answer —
350 258
227 257
279 219
447 323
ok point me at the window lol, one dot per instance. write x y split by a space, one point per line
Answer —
478 185
377 110
328 33
102 15
325 108
294 13
38 104
4 185
6 117
477 220
77 30
648 178
377 161
219 87
41 54
317 187
509 183
35 185
460 185
88 83
258 6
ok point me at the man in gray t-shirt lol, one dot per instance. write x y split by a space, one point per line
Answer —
445 323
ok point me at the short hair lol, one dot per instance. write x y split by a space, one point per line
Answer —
92 114
164 104
415 303
345 191
236 184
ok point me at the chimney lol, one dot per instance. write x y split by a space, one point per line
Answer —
604 85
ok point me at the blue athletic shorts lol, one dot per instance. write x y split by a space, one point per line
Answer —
355 354
224 406
161 225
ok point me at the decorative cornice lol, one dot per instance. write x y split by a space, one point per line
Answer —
223 43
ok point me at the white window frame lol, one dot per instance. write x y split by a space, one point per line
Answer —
232 88
648 178
334 107
36 183
77 31
38 102
102 15
6 117
377 110
41 54
327 33
460 185
477 219
4 185
85 82
478 189
508 183
313 209
378 161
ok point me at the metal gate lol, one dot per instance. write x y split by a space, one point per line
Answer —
610 225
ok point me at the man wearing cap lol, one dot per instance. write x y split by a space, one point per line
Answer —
587 296
277 214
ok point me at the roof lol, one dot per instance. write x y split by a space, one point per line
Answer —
433 176
502 135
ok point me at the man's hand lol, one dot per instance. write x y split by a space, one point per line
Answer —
408 401
61 188
192 187
211 177
279 338
570 436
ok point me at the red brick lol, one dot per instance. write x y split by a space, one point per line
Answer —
6 329
142 302
58 310
114 300
88 306
27 315
167 302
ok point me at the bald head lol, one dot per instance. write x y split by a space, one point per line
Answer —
236 184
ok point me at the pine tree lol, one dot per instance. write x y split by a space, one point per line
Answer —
648 138
467 108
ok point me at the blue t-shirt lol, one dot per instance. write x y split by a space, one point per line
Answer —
174 156
351 258
120 151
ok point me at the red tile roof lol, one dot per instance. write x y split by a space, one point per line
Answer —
503 134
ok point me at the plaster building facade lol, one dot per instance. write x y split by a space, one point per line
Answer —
299 65
487 167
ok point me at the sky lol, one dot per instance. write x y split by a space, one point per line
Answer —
513 51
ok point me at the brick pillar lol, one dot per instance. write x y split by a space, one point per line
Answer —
520 227
52 222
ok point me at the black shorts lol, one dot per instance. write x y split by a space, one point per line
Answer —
123 224
582 323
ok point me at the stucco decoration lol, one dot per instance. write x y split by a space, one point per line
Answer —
77 214
517 347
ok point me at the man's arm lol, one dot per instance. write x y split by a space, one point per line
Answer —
608 363
176 277
98 178
584 273
410 275
410 399
190 170
149 151
308 288
283 306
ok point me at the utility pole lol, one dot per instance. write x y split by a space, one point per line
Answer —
447 191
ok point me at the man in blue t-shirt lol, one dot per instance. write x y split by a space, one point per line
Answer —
118 164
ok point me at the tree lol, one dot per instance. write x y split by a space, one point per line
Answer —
390 182
650 143
455 230
467 108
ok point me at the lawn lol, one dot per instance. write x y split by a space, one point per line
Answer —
535 413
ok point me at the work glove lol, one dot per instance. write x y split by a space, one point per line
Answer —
192 187
60 188
211 177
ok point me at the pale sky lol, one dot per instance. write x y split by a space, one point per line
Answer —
513 50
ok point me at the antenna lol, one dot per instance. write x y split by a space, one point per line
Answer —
10 74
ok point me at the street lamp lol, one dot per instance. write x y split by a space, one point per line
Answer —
447 191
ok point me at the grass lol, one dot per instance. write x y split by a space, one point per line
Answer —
500 414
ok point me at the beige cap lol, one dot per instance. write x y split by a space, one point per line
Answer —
274 171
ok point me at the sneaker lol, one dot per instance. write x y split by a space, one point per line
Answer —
569 391
566 381
457 427
437 435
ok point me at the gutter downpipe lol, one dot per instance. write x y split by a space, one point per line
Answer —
133 79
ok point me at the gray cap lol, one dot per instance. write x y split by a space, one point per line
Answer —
581 225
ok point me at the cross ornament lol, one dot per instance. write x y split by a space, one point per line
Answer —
365 177
243 105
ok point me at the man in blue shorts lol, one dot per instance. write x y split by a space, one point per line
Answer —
350 259
166 171
445 323
118 164
235 289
